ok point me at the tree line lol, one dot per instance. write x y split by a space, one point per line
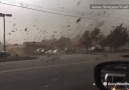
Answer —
117 38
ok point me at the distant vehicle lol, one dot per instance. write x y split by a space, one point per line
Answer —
70 51
65 50
4 54
96 49
55 51
37 50
42 50
48 52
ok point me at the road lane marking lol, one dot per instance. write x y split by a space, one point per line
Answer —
25 69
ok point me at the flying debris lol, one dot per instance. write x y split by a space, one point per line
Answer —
79 3
25 29
68 26
12 31
78 20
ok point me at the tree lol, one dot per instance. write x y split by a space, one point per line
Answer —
64 42
86 39
118 37
91 38
94 34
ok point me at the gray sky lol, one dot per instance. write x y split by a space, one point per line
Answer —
42 25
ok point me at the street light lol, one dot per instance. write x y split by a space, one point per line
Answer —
4 15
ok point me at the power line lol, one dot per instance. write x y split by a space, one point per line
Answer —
54 12
84 13
40 10
88 13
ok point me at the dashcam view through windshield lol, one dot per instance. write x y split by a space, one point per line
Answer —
55 44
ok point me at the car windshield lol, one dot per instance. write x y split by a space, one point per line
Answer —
55 44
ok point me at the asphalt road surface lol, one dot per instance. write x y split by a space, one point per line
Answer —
66 72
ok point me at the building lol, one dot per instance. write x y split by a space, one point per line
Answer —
15 49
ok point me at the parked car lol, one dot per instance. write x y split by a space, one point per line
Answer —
48 52
37 50
55 51
4 54
96 49
42 50
70 51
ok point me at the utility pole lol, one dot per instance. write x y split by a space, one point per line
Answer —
4 34
4 37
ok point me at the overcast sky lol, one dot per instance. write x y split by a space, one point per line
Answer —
31 25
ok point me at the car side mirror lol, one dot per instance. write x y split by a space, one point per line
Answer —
113 75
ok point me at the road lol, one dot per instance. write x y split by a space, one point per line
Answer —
68 72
